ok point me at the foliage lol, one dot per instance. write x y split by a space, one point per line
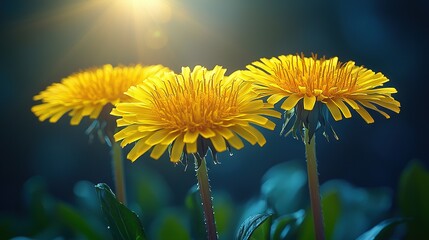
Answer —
122 222
413 198
281 211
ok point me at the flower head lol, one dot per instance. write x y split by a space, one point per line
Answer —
191 112
87 93
313 87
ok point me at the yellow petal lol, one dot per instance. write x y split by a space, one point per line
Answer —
38 97
125 132
207 133
196 72
342 106
96 111
317 92
39 108
269 125
302 89
335 112
146 127
270 112
158 150
290 102
381 91
121 122
373 107
256 119
225 132
134 137
190 136
263 65
139 149
87 110
351 102
58 115
77 117
218 143
389 103
191 147
309 102
364 114
129 108
157 137
44 114
252 106
253 73
242 132
177 150
236 142
219 73
255 132
371 80
275 98
170 138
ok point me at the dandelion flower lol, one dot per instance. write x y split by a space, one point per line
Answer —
93 93
87 93
312 88
191 112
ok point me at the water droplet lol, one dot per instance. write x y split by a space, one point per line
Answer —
108 227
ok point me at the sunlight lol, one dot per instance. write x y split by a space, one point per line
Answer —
156 10
124 27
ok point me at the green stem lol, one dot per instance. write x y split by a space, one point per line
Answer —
206 198
118 172
313 186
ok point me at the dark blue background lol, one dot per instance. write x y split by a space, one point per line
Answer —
43 41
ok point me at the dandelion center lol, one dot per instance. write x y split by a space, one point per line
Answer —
316 77
190 105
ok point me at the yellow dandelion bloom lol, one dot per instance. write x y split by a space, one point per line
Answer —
87 93
191 112
308 84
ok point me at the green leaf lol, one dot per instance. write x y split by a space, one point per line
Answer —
39 204
123 223
253 207
285 226
171 224
75 221
381 230
331 209
413 198
360 208
284 186
256 227
331 206
151 193
193 204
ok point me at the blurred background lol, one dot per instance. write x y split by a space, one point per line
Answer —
43 41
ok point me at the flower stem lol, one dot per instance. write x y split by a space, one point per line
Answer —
118 172
206 198
313 186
